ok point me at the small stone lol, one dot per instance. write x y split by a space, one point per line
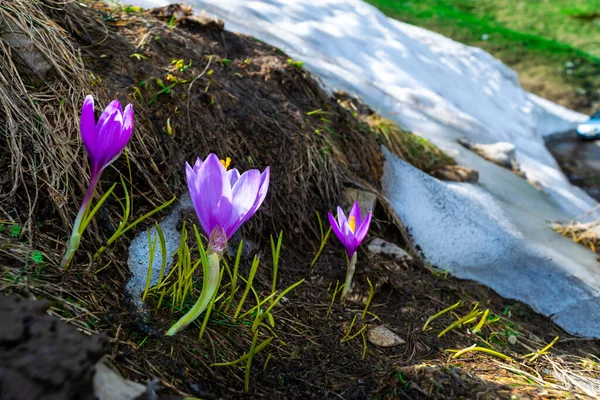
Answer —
366 200
30 60
408 310
383 337
512 339
380 246
502 153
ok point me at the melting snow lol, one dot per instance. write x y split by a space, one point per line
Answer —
139 251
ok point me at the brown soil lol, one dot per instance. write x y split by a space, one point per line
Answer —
241 98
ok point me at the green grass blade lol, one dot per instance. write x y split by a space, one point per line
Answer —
253 269
286 291
152 248
163 252
90 214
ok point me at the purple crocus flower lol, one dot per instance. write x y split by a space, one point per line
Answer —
352 230
224 198
104 142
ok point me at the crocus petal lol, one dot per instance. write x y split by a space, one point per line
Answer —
350 239
127 124
197 165
112 106
351 250
87 123
244 195
361 231
265 179
103 151
222 198
195 194
335 228
233 175
119 139
345 228
355 212
109 142
213 195
341 216
262 193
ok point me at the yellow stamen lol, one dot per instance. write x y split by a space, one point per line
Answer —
226 162
352 223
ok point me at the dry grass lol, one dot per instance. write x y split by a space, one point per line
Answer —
39 125
414 149
586 234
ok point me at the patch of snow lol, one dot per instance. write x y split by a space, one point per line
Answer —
462 228
139 251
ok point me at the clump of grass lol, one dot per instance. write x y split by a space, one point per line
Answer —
436 315
490 335
124 227
585 234
296 64
324 236
459 353
414 149
179 285
543 351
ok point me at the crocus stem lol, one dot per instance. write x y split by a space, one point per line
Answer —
209 287
77 228
349 275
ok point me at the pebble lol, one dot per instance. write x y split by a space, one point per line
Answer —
383 337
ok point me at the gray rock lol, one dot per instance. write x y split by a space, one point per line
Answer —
31 62
501 153
383 337
366 200
139 251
